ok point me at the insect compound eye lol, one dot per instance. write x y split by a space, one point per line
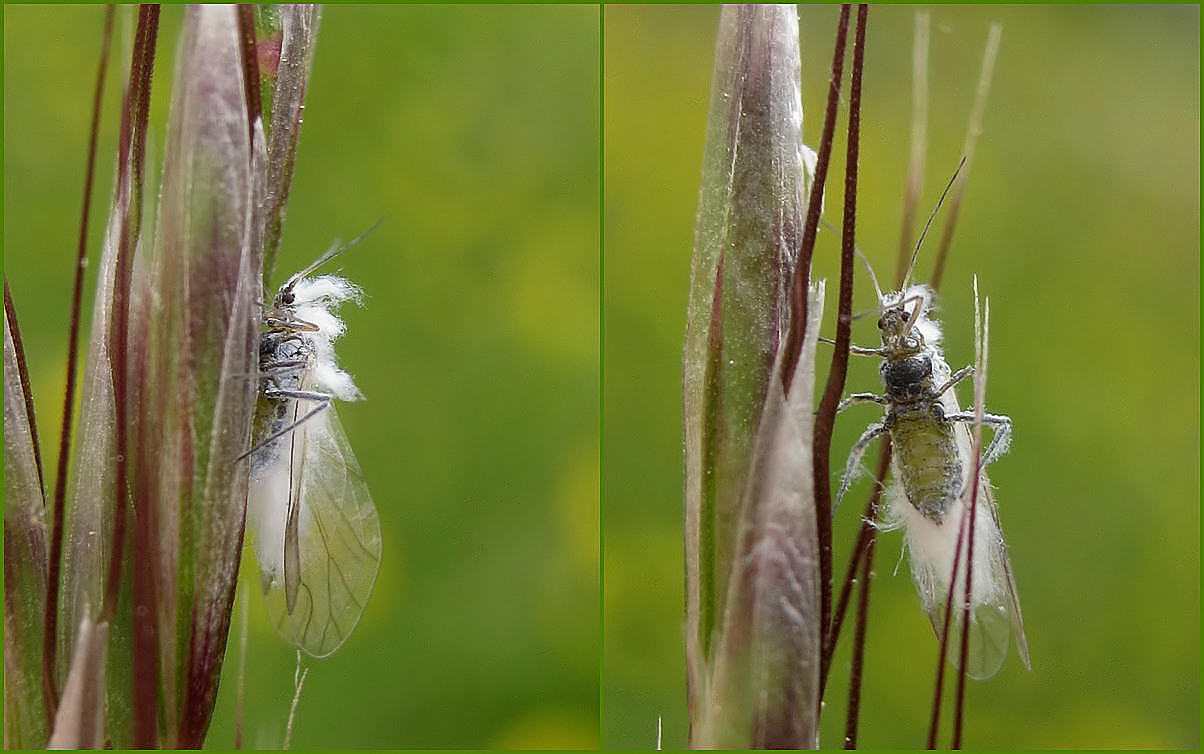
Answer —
890 322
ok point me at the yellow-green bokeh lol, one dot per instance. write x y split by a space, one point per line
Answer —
1081 220
472 133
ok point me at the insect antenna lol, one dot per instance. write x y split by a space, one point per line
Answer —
329 254
864 260
931 216
870 270
877 290
873 279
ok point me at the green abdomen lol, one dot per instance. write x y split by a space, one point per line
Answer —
927 462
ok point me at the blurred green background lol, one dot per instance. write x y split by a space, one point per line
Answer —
472 133
1081 220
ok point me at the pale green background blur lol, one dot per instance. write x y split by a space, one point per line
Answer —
1081 220
472 133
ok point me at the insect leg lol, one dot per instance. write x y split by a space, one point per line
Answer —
322 399
281 367
1001 439
855 455
856 350
287 322
914 316
855 398
301 395
957 377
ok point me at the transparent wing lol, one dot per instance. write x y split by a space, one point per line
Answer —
331 539
998 617
994 608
